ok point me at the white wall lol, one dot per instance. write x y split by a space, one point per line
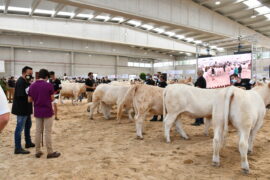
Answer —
61 62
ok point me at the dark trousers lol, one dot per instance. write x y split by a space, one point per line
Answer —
199 121
23 123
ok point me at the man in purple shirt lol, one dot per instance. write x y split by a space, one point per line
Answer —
41 93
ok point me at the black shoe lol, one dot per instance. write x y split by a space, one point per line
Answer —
29 145
161 119
21 151
154 119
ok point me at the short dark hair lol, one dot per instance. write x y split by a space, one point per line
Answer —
43 73
26 68
52 73
90 73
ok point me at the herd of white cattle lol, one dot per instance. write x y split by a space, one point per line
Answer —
244 109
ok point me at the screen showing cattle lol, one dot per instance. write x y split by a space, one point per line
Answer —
217 70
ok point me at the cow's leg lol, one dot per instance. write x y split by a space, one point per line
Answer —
253 133
180 129
139 125
130 111
119 113
243 148
207 123
217 144
106 110
93 106
168 122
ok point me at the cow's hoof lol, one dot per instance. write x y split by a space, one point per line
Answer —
186 138
249 152
139 138
215 164
245 171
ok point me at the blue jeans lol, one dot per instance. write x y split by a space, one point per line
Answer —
23 123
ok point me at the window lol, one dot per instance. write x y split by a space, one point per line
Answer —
130 63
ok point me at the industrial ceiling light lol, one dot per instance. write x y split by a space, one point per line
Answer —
2 7
18 9
213 47
43 11
189 39
118 19
158 30
268 16
147 26
134 23
40 42
252 3
197 42
62 13
263 10
169 33
180 36
217 2
88 16
104 18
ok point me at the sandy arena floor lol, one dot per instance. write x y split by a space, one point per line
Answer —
104 149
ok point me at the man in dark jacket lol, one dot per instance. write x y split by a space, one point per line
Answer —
162 83
23 110
200 83
149 80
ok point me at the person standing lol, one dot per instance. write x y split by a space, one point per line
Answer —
162 83
90 86
57 87
149 80
200 83
23 110
11 88
42 94
239 70
4 110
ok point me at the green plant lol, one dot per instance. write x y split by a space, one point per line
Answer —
143 76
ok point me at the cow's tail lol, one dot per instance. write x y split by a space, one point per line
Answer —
128 96
228 98
164 104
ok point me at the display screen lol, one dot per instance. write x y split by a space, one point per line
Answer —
217 70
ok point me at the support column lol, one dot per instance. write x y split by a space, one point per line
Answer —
152 68
12 61
116 66
72 73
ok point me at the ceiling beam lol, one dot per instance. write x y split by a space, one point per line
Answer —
34 6
262 26
7 2
76 12
241 10
204 2
260 20
226 5
57 9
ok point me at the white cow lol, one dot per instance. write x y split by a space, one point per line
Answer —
73 90
146 100
182 99
106 96
246 111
